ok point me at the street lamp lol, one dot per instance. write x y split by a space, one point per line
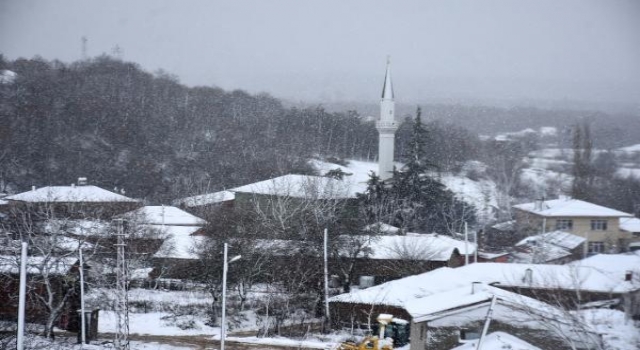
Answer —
225 267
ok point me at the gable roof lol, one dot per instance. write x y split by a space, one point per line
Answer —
300 186
206 199
498 340
567 277
614 265
400 292
558 238
69 194
412 246
565 207
630 224
10 264
180 246
291 185
165 215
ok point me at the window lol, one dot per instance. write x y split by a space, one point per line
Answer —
564 224
598 225
596 247
366 281
469 334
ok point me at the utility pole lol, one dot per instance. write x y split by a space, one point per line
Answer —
83 335
122 308
326 279
225 269
466 244
22 296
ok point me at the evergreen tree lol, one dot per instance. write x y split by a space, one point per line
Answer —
413 199
582 168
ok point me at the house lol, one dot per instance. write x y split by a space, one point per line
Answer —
291 186
557 247
599 225
47 277
447 319
560 285
79 201
569 285
375 259
443 304
178 234
618 266
631 225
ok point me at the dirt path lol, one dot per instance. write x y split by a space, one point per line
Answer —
200 342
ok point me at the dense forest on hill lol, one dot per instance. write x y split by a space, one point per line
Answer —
122 127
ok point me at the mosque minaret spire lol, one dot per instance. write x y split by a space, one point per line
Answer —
387 127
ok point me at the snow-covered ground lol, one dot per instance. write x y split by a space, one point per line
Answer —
481 194
617 332
157 323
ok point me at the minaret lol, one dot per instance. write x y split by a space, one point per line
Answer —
387 127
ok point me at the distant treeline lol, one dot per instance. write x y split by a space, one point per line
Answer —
609 130
122 127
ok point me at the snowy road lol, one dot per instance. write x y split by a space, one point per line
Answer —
202 342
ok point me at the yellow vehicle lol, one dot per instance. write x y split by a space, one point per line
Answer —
369 343
372 342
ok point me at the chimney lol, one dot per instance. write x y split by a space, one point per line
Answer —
476 287
528 276
538 204
82 181
628 276
33 188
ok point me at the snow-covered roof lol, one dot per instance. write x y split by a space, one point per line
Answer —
358 172
400 292
614 265
558 238
171 230
498 340
164 215
437 305
206 199
414 246
540 253
69 194
633 148
300 186
630 224
291 185
179 246
568 277
36 264
504 226
78 227
491 255
7 76
565 207
382 228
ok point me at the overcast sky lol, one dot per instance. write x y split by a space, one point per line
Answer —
334 50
